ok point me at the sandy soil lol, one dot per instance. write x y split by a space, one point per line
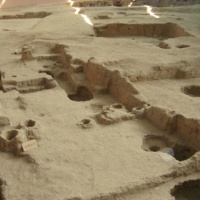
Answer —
13 3
110 109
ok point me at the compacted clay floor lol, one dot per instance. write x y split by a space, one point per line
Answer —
108 109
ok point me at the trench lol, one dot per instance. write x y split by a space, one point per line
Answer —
27 15
167 30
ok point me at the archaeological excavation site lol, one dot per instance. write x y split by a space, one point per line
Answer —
100 100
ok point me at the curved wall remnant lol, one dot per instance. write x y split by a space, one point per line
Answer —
115 83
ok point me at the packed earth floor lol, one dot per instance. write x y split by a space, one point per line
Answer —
100 101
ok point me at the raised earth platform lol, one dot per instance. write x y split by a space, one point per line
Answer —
100 102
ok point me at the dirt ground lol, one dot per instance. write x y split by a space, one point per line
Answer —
99 102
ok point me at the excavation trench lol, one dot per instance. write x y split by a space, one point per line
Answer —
101 3
167 30
27 15
70 84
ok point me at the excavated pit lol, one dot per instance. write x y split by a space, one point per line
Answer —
82 94
167 30
86 123
154 143
188 190
192 90
182 152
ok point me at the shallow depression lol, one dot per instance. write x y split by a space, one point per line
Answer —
192 90
154 143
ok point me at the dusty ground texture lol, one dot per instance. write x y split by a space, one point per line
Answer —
113 107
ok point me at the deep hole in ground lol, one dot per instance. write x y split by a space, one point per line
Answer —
182 152
188 190
82 94
192 90
167 30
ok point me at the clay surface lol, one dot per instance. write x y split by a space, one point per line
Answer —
99 100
